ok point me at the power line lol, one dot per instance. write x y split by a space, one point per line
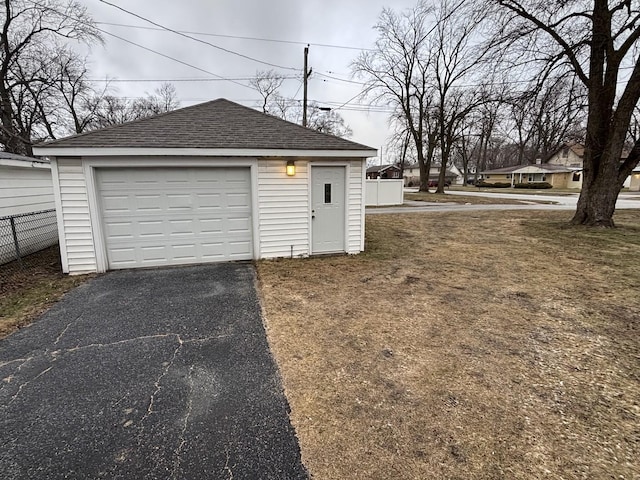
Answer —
146 48
298 90
176 60
196 39
239 37
340 79
176 80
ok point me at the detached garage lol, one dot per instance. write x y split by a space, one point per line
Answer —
208 183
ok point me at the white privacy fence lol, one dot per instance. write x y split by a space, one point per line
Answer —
384 192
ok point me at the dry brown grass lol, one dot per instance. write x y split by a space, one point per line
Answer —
484 345
26 293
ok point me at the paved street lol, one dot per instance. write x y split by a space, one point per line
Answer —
561 202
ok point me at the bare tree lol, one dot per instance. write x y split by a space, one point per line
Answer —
456 57
268 84
546 116
326 121
112 110
322 119
79 98
395 73
28 31
163 99
566 35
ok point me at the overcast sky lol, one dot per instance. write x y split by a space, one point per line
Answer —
344 23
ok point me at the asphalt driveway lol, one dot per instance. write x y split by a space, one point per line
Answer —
147 374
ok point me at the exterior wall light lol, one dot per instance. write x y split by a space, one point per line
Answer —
291 168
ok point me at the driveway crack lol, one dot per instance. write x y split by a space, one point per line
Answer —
7 380
183 441
159 379
23 385
67 328
228 468
119 342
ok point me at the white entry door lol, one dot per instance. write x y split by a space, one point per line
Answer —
328 209
175 216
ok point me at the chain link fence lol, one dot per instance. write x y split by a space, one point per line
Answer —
24 234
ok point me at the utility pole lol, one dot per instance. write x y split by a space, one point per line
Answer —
305 77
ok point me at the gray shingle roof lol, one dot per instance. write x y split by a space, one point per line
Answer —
216 124
545 167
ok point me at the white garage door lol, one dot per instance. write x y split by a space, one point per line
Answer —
175 216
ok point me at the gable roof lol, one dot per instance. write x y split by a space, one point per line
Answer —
382 168
218 124
578 149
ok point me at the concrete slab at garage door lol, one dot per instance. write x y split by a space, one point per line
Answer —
175 216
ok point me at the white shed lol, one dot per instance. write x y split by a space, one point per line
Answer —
213 182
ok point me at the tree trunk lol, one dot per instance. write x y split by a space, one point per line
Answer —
424 172
600 189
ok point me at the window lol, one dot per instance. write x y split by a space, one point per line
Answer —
576 176
530 178
508 175
327 193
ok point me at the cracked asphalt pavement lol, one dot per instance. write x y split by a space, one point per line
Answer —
162 373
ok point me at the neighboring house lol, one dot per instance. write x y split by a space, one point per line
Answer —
25 187
412 175
208 183
384 172
571 155
634 184
556 175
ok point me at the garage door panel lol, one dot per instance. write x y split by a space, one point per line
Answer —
167 216
148 203
123 256
238 200
239 248
186 251
150 228
209 200
238 225
119 230
211 226
115 204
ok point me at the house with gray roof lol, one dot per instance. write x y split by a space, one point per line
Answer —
212 182
557 176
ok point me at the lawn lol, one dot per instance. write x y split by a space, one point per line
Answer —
27 292
468 346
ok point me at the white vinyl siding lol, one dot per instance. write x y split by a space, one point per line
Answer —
76 220
354 206
283 209
25 190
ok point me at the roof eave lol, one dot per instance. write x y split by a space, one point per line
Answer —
59 151
8 162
